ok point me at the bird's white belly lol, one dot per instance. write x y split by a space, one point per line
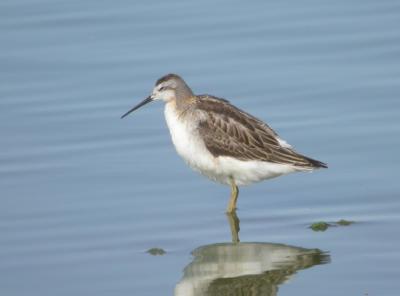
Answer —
251 171
190 146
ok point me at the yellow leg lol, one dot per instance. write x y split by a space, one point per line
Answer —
234 225
234 196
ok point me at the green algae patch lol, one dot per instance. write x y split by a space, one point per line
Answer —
343 222
320 226
156 251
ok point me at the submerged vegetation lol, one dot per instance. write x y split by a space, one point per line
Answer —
156 251
343 222
322 226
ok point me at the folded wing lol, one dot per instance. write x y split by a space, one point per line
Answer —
229 131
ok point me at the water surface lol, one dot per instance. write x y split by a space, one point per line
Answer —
84 194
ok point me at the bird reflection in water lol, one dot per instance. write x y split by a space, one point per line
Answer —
244 268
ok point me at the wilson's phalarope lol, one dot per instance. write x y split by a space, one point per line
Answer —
221 141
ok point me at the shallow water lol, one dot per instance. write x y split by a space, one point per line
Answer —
85 194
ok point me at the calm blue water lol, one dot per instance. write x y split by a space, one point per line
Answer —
84 194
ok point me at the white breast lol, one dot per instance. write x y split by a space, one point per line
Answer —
188 143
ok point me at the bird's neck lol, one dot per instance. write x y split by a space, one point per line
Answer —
183 95
183 104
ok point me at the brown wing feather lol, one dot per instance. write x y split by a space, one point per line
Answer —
228 131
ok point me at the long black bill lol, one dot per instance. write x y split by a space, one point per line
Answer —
144 102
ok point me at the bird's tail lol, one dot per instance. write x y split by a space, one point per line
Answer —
315 163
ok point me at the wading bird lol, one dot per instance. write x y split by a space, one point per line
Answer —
221 141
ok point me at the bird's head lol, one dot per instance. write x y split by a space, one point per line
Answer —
168 88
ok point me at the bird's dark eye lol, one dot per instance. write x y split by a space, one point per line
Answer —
162 88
